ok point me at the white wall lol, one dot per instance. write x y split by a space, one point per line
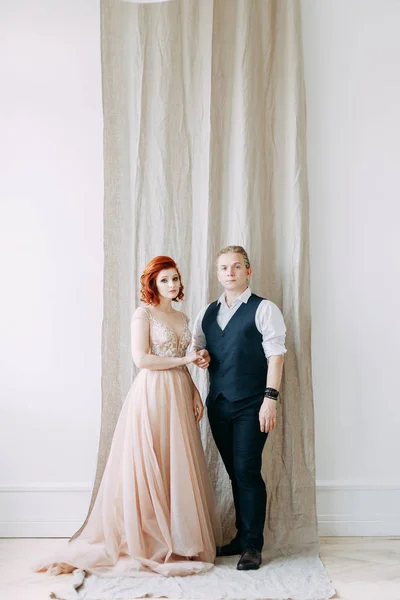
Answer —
51 260
352 57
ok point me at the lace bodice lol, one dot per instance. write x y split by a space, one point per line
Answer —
163 340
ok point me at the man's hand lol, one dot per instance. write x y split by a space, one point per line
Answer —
267 415
204 360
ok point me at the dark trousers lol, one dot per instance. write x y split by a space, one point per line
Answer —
236 431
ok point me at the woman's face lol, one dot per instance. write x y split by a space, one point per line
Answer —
168 283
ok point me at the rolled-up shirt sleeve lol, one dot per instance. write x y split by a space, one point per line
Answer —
198 337
270 323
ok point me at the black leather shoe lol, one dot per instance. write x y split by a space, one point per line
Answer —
234 547
250 559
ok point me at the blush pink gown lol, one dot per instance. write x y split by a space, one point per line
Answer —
155 509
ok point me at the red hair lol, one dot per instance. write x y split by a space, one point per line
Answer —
149 292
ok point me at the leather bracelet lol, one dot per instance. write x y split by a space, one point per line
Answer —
271 393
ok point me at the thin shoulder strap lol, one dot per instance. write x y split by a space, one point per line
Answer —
147 313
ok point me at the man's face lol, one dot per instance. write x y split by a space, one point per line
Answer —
232 272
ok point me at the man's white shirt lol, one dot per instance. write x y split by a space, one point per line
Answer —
268 320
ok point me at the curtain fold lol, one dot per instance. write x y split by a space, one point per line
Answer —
204 146
145 1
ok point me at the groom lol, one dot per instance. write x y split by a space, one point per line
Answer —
243 337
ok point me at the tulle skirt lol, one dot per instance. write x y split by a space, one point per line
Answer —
155 509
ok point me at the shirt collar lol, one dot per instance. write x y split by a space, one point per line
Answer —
244 297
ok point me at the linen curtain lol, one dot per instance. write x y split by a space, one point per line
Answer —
204 146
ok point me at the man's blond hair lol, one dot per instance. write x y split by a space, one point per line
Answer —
235 250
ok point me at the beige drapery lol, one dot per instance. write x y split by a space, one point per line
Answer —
204 145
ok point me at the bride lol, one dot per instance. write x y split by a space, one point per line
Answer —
155 508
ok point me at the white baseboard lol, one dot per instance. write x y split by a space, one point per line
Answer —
357 509
43 510
38 529
344 509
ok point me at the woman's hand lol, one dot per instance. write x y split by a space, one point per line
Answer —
191 357
204 359
198 408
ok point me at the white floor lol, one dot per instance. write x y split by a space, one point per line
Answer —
360 568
